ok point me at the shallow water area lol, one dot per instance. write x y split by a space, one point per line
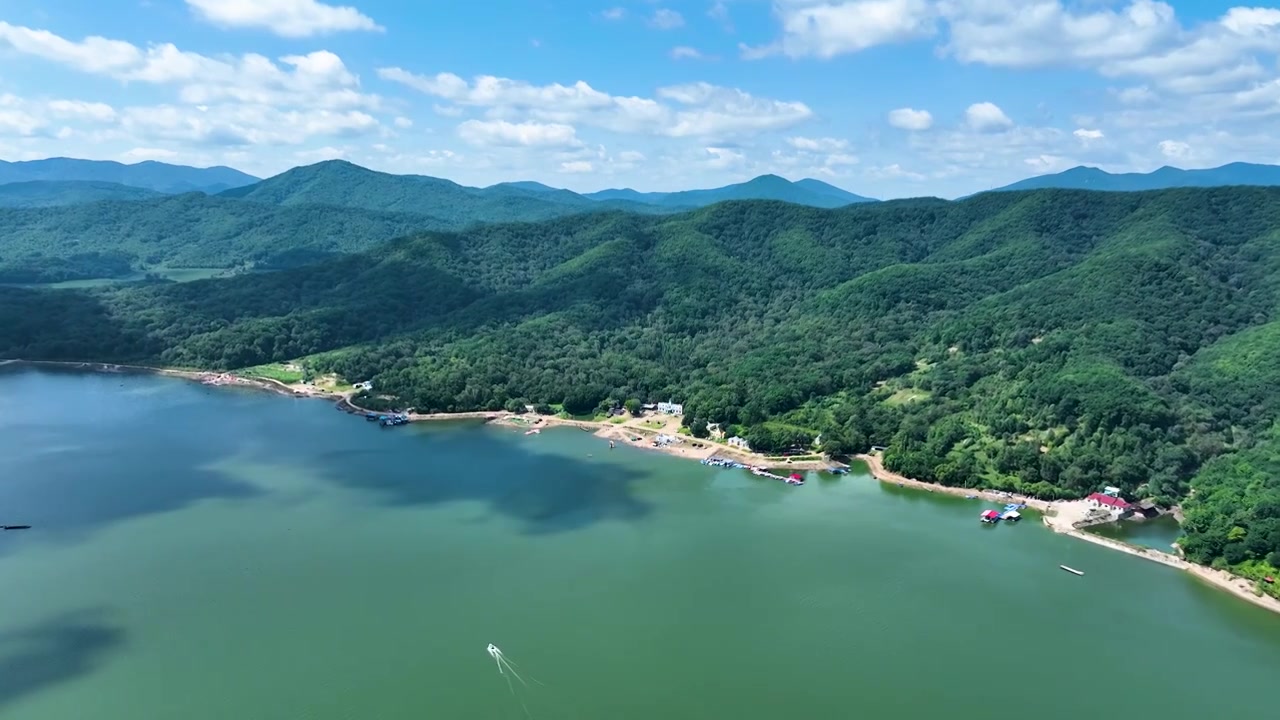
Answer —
208 553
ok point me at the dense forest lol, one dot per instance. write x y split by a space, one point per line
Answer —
1048 342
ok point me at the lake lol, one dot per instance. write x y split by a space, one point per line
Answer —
211 553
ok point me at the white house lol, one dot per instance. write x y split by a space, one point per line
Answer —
366 385
670 408
740 443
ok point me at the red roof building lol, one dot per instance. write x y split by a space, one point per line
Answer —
1110 501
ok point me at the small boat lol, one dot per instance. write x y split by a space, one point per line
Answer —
795 479
533 431
1071 570
15 527
990 516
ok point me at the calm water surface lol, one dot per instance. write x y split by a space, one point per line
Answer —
207 554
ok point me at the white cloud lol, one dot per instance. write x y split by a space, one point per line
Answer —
894 171
695 109
721 158
683 52
910 119
813 28
576 166
93 54
1044 163
1086 135
719 12
666 19
139 154
614 13
403 123
100 112
1174 149
825 144
287 18
525 134
986 117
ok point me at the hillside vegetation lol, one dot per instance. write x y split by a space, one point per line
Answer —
1049 342
119 238
50 193
339 183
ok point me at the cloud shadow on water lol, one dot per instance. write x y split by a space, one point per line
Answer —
106 479
548 493
57 651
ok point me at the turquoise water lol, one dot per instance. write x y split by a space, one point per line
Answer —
205 553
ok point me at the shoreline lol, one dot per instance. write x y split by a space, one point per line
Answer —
1055 514
1057 518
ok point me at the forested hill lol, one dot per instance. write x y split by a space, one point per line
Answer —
1050 342
113 239
338 183
50 193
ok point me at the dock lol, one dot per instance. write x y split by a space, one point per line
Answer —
1071 570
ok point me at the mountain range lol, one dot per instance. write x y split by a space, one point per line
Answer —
1092 178
150 175
1044 342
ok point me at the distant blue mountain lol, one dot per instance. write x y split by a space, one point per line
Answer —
1091 178
766 187
150 175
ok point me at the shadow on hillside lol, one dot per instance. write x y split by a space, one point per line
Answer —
547 493
40 657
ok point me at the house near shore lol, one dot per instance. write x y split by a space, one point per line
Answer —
670 408
1114 506
740 443
366 385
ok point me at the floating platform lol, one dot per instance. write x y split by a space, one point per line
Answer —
1071 570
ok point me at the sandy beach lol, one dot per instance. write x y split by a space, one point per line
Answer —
1061 517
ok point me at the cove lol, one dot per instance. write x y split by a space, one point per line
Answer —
208 553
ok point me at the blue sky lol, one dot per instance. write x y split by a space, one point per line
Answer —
886 98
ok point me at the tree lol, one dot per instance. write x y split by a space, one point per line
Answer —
633 407
516 405
698 428
544 409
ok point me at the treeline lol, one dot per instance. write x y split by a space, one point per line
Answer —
1048 342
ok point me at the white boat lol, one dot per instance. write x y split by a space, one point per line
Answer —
1071 570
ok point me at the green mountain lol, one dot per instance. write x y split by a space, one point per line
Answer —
814 193
51 193
116 239
1049 342
151 175
342 184
1091 178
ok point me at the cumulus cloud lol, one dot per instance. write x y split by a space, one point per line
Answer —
910 119
683 52
1087 135
826 29
825 144
287 18
694 109
666 19
525 134
614 13
986 117
1174 149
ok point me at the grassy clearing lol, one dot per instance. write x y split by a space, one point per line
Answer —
907 395
280 372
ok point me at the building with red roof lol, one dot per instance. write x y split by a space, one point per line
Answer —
1108 501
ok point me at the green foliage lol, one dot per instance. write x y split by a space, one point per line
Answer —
50 193
633 406
1055 341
